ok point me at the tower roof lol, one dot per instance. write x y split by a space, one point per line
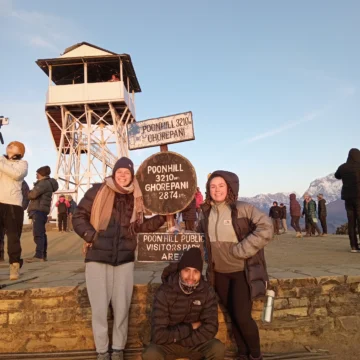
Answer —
87 53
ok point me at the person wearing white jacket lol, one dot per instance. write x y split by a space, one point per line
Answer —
13 170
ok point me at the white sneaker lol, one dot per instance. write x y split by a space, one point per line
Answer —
117 355
14 271
105 356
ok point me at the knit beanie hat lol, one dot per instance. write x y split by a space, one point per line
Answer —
124 163
191 258
21 147
44 171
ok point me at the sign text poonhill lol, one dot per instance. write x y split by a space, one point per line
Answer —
160 131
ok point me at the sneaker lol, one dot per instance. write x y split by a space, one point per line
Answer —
117 355
34 259
105 356
355 250
14 271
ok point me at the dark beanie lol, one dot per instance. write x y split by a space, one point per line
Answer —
124 163
191 258
44 171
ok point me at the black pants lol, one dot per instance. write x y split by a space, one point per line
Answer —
295 223
39 232
11 223
353 215
312 226
213 349
276 224
2 243
62 220
234 293
323 224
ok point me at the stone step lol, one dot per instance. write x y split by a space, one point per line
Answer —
135 354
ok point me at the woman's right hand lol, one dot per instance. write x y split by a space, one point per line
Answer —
86 246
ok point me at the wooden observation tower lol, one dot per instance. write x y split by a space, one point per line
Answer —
90 100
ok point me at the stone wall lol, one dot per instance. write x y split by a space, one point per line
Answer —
55 319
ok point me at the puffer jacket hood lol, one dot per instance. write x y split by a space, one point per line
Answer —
231 179
54 184
354 156
295 208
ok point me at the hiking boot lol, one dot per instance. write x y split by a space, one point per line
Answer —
14 271
117 355
34 259
298 235
105 356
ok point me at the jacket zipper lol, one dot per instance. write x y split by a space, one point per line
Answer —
216 226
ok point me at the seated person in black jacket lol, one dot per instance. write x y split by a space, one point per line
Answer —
185 314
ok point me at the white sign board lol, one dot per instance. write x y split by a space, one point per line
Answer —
161 131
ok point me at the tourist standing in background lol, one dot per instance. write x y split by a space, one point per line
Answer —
322 213
13 170
63 207
39 208
283 217
71 211
349 173
199 201
275 214
309 211
189 216
295 213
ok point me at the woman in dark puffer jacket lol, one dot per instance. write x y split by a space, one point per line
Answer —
108 218
236 233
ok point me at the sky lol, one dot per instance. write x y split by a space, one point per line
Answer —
273 85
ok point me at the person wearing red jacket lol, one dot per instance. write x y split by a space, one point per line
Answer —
199 200
63 205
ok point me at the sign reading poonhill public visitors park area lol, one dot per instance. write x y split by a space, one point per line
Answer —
165 246
160 131
168 183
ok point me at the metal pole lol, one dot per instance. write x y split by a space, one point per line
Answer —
50 75
121 71
169 218
85 73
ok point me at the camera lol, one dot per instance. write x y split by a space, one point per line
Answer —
4 120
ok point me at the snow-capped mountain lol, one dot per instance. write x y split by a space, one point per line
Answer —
328 185
265 201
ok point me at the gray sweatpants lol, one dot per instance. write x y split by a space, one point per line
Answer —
107 283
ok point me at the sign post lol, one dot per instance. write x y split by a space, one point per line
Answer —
167 181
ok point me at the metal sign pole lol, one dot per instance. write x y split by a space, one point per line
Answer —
169 218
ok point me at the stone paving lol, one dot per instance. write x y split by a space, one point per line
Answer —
287 257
